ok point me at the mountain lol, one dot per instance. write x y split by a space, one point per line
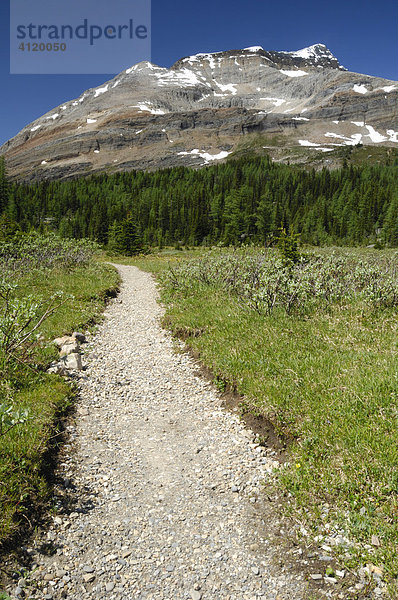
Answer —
206 107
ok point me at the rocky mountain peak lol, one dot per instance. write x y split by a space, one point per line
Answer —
199 110
317 55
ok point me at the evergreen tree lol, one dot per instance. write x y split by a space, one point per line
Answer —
242 199
124 238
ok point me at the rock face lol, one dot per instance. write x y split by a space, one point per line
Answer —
199 110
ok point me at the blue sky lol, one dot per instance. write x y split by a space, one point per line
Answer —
361 33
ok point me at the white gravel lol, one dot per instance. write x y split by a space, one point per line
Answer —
166 481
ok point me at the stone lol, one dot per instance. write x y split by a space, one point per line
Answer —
376 571
88 569
109 586
170 568
61 341
74 362
340 573
80 337
88 577
58 368
60 573
69 348
195 595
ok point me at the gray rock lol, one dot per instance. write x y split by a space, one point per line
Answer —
109 586
69 348
58 368
80 337
73 362
61 341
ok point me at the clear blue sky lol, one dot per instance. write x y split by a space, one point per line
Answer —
361 33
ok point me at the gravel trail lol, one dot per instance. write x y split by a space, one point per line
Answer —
167 480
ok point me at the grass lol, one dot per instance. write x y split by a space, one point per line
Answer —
24 451
329 383
158 260
89 286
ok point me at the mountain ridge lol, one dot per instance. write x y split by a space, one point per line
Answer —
199 110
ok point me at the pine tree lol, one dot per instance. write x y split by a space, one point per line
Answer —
123 238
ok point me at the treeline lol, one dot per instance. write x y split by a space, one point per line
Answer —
242 200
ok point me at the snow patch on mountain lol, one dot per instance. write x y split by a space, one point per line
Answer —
388 88
275 101
145 107
229 87
360 89
205 155
316 51
348 141
183 76
101 90
297 73
375 136
393 135
307 143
